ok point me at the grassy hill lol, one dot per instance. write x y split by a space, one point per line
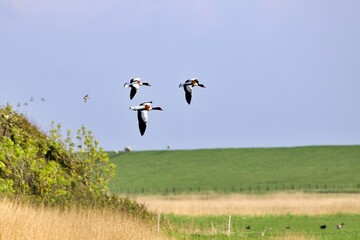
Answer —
313 168
48 169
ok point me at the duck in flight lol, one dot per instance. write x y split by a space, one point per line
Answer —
86 97
142 113
188 86
135 84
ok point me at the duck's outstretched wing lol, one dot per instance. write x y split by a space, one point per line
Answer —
132 92
188 96
146 103
142 122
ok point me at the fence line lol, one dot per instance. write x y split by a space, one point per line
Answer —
259 188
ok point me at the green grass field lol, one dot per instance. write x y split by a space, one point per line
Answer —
264 227
313 168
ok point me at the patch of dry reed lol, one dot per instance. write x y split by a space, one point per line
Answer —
23 221
293 237
274 204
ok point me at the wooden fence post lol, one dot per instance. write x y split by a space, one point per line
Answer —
229 226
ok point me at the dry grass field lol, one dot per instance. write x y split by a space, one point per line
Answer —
293 237
22 221
254 205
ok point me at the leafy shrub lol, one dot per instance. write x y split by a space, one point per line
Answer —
53 170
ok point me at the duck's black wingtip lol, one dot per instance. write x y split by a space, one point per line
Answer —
132 93
188 97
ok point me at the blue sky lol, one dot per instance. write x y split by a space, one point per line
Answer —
278 73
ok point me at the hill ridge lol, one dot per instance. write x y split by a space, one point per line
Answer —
309 168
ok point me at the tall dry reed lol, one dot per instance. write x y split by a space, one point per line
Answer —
24 221
293 237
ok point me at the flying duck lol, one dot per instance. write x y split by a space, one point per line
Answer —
135 84
142 113
188 86
86 97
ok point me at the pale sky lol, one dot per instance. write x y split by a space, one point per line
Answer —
277 72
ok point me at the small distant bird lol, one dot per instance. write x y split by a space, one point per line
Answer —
288 227
42 99
25 103
339 226
142 112
86 97
188 86
135 84
248 227
322 226
31 99
19 104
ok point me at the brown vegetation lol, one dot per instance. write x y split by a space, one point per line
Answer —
293 237
275 204
24 221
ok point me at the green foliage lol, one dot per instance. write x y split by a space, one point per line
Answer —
49 169
87 163
53 170
314 168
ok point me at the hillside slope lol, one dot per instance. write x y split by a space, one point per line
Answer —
49 169
46 168
313 168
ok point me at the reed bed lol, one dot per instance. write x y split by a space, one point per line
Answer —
24 221
254 205
293 237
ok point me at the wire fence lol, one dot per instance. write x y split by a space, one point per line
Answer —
258 188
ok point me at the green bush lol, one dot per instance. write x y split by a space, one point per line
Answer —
53 170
